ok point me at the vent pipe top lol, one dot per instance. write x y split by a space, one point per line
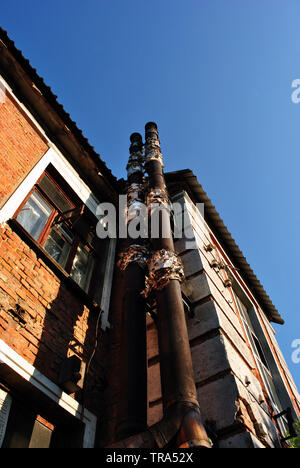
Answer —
151 130
136 143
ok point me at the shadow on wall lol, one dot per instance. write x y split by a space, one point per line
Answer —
48 319
69 355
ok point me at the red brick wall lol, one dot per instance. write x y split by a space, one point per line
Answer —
56 323
21 147
112 351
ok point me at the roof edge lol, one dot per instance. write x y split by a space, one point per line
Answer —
186 176
51 99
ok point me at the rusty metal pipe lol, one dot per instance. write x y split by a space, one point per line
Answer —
175 356
133 404
177 376
181 424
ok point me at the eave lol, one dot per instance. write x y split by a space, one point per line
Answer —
187 180
31 90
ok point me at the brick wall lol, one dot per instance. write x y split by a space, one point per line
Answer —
41 317
222 357
21 147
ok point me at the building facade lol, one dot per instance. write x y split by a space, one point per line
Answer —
55 275
64 377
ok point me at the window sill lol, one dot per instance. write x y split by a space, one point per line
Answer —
52 264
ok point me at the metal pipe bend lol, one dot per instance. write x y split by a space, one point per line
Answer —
181 425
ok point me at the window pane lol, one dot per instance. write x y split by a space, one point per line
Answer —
59 244
56 197
34 215
260 352
244 312
83 268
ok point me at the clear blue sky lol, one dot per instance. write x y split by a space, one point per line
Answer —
216 76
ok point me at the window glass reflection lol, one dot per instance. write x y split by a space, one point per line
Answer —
34 215
82 268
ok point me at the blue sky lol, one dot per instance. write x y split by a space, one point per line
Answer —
216 76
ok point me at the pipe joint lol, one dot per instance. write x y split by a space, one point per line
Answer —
135 201
152 145
135 164
181 426
164 266
158 197
133 254
136 158
153 152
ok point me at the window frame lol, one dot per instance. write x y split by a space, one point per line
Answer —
78 240
265 371
51 218
45 233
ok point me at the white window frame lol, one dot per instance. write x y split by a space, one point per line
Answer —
55 157
64 169
263 370
86 196
28 372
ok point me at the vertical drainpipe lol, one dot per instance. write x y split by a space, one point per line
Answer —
181 425
133 402
165 272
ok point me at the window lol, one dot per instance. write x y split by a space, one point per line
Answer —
82 267
25 428
259 354
256 347
35 215
58 221
59 244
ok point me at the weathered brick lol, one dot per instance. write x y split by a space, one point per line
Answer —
21 147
